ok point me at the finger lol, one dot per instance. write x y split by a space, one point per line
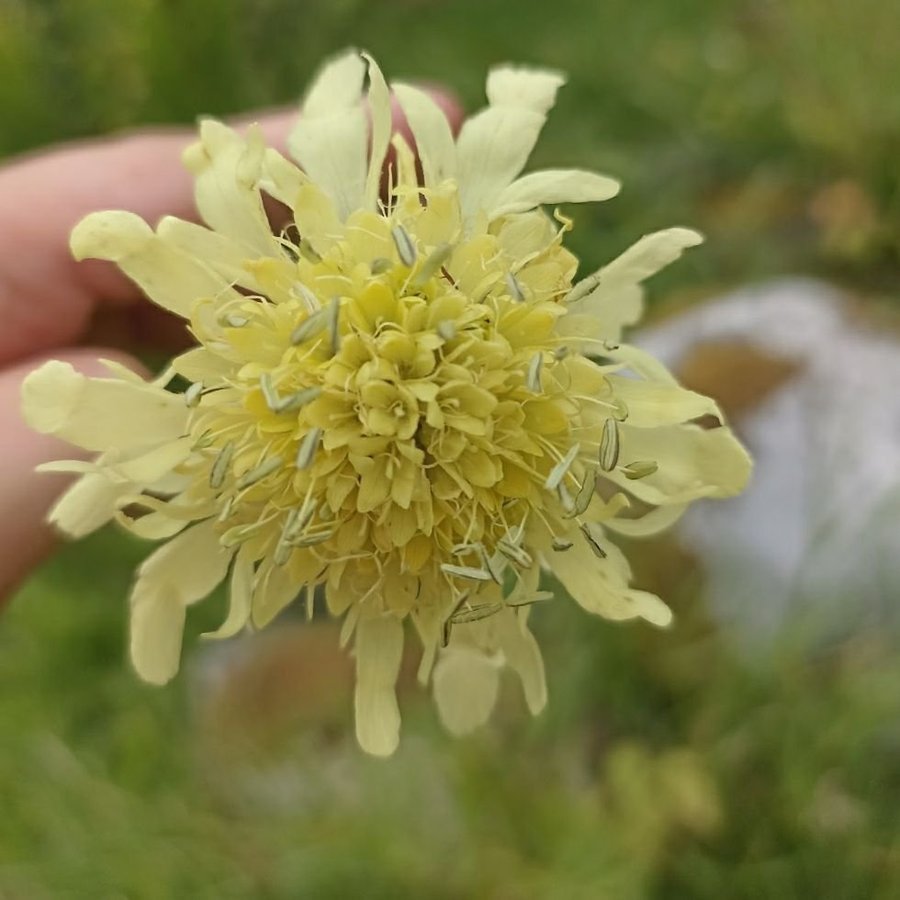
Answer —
46 299
26 496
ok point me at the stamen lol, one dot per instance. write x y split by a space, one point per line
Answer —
333 315
192 394
609 445
475 613
308 446
537 597
515 288
380 265
593 543
558 472
309 327
233 321
639 469
266 467
406 249
533 379
220 466
586 494
305 294
446 330
561 352
515 554
269 391
434 261
301 398
619 409
560 545
467 572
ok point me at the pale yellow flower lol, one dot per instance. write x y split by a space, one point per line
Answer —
404 406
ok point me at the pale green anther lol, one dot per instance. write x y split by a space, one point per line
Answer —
515 554
533 378
233 321
565 498
308 253
240 533
220 466
639 469
406 249
310 540
586 494
467 572
333 316
257 473
205 440
308 297
460 549
490 565
529 599
269 391
609 445
282 553
192 394
584 287
619 410
380 265
433 262
225 512
306 452
560 545
561 353
309 327
514 286
476 613
446 330
558 472
592 541
290 402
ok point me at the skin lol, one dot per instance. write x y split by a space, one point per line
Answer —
53 307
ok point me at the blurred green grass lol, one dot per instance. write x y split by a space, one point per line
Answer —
666 765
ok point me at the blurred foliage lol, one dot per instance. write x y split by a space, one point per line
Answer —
667 765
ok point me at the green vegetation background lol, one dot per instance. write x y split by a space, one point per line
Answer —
667 765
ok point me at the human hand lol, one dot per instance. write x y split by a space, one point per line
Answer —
51 306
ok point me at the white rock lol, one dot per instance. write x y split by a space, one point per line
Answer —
816 537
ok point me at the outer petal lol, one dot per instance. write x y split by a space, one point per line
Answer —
220 253
88 504
609 299
380 110
179 573
239 594
601 585
651 403
658 519
465 688
273 591
523 655
554 186
227 169
330 139
100 413
693 462
169 277
494 145
431 130
379 649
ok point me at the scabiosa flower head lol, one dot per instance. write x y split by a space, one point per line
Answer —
400 403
